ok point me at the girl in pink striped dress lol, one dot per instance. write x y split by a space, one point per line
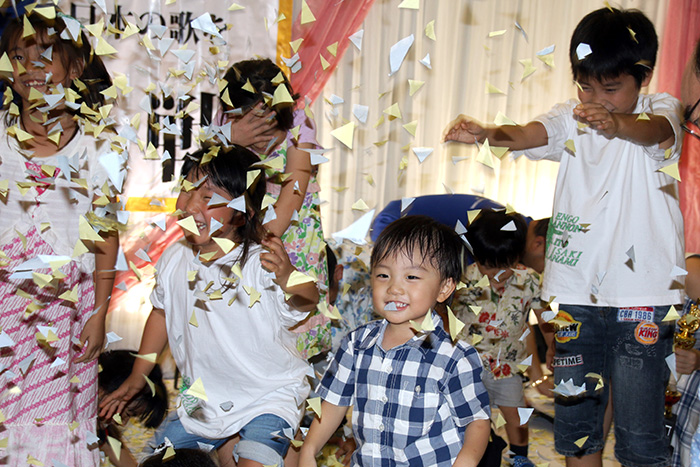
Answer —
56 269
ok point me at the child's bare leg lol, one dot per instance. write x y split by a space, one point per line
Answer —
517 433
590 460
248 463
225 452
292 457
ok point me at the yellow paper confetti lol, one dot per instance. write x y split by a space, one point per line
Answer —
197 390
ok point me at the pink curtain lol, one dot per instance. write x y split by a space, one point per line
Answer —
335 22
681 33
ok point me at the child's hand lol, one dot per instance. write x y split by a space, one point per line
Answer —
687 361
550 357
276 260
92 338
598 117
254 127
116 401
346 448
464 130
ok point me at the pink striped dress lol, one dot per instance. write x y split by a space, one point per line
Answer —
48 402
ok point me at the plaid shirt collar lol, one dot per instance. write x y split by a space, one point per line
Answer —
422 341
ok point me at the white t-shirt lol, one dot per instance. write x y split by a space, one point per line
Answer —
616 231
245 356
59 201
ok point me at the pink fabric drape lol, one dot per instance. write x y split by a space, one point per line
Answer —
681 33
335 22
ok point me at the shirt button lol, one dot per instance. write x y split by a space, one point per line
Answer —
381 427
384 399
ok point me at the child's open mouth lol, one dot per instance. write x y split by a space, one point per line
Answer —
395 306
35 83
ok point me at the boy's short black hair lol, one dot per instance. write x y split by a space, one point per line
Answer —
492 246
622 42
435 242
541 227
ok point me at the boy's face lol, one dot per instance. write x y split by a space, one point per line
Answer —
617 95
411 285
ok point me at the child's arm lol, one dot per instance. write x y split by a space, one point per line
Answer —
656 130
548 335
154 339
304 297
464 129
126 458
320 432
476 437
293 188
93 333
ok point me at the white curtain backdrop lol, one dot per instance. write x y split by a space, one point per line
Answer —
464 59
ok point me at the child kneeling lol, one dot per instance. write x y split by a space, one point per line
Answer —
417 395
224 304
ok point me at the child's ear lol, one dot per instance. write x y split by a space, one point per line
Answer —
239 219
647 78
447 287
76 68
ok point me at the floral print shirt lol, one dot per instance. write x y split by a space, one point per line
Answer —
500 319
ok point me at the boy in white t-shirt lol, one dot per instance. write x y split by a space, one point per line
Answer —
615 237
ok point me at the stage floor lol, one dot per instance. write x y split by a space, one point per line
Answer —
541 435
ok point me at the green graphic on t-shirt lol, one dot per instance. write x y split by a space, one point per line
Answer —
562 227
190 403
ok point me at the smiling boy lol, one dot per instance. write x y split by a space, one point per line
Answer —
417 396
615 238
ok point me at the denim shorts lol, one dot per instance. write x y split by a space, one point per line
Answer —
627 347
260 440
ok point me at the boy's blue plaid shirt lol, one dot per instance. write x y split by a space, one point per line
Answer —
411 403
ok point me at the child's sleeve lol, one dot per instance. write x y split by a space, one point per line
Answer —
667 106
338 383
464 391
275 297
559 123
307 129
